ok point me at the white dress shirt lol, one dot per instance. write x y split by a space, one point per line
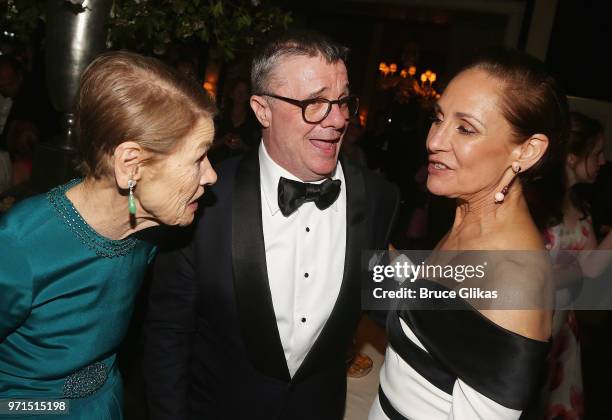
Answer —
305 260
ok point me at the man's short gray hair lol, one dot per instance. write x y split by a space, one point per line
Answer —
302 43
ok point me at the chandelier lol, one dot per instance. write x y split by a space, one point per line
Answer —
405 84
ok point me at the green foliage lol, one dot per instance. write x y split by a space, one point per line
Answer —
150 25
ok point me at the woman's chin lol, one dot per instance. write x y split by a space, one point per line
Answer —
187 218
436 189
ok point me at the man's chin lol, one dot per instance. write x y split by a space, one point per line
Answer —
325 171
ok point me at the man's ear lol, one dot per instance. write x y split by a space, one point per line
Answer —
262 110
126 161
532 150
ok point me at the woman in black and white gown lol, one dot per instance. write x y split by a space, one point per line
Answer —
496 123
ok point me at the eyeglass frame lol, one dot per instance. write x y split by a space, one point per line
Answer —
304 103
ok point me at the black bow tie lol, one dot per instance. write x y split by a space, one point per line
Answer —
292 194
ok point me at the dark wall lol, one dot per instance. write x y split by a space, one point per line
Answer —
580 48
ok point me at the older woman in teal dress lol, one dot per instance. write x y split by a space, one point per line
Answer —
70 264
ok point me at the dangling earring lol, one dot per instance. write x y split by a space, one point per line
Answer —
131 199
500 196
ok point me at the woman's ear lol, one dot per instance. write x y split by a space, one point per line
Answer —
127 160
532 150
262 110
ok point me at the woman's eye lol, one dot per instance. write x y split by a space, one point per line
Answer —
464 130
435 120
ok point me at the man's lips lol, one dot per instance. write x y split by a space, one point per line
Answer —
326 145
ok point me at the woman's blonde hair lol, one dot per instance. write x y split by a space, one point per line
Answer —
125 96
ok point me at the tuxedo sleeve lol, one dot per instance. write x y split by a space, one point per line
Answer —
169 333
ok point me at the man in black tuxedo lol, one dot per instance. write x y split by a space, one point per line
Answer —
252 318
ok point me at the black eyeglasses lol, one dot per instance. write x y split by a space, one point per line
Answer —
316 110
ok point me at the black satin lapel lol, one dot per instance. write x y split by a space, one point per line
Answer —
340 326
253 296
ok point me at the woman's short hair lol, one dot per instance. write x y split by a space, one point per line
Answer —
125 96
532 100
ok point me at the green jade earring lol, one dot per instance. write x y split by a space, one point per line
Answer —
131 199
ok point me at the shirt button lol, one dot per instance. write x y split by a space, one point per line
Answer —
306 275
303 320
307 229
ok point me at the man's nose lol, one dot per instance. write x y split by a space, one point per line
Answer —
336 118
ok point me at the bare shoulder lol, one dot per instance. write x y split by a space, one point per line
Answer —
524 280
534 324
524 236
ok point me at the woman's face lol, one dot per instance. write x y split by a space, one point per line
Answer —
169 188
469 142
587 168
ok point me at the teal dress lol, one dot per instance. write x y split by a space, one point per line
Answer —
66 298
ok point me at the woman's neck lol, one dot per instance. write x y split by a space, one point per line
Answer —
480 216
105 209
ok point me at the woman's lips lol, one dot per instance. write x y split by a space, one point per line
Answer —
194 203
437 168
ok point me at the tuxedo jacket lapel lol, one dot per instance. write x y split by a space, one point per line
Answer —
253 296
337 330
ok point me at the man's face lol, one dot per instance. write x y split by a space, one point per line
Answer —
308 151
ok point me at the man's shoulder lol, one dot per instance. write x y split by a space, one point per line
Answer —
226 173
227 166
220 197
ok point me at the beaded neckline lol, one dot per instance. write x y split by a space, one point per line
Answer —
102 246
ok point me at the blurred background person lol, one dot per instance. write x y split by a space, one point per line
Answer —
351 144
23 99
6 171
22 140
573 231
238 130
